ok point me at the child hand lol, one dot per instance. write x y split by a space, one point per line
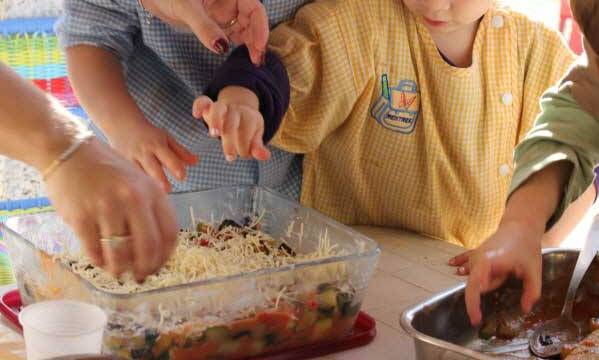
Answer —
514 249
236 119
462 262
153 149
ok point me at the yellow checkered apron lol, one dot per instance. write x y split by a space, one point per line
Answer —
395 136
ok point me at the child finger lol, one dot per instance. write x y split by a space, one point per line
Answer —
460 259
244 136
228 138
201 105
202 110
216 114
474 290
187 156
258 149
153 168
531 281
173 163
463 270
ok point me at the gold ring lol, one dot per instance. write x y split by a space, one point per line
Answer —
115 242
229 24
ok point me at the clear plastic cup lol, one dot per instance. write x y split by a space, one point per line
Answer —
60 328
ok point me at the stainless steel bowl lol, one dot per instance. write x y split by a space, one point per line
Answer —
440 326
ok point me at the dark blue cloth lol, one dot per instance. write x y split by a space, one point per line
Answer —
269 82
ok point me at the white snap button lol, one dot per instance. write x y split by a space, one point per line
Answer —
497 21
507 99
504 170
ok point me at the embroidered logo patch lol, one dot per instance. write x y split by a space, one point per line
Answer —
397 108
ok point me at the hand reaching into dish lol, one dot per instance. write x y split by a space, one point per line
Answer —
461 262
512 250
98 193
102 195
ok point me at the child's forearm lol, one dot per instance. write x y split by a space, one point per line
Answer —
98 81
571 217
536 200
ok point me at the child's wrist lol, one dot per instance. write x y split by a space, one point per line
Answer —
123 124
534 203
240 96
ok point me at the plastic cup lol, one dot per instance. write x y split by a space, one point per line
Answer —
62 328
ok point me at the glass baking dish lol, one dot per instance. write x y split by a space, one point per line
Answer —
228 317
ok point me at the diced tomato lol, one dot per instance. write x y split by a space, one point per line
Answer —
587 342
196 352
312 302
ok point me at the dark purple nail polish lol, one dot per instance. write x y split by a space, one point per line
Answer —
221 46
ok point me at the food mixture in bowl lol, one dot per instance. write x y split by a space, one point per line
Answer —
207 252
506 322
285 314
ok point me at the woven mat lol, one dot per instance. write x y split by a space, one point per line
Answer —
30 47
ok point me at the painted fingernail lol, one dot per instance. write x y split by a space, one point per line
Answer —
230 158
221 46
462 270
451 261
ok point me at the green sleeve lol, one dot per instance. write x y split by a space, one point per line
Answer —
563 131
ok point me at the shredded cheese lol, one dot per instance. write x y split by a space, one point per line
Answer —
209 253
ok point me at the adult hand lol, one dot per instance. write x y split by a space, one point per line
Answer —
216 22
100 194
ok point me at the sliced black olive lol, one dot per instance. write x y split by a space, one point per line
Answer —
287 249
227 223
151 335
138 353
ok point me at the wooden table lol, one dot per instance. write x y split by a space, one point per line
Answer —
410 269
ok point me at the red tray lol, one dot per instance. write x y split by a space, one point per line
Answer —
362 334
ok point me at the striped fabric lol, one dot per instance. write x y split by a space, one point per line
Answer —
165 70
